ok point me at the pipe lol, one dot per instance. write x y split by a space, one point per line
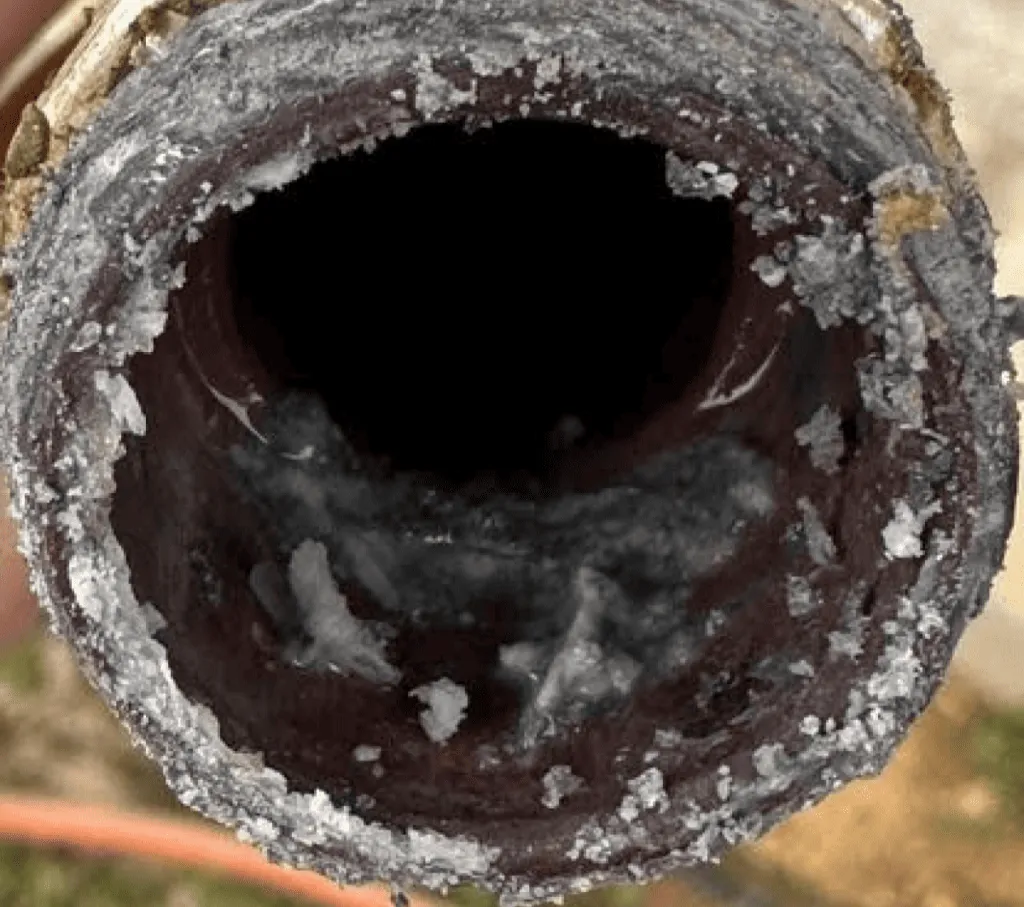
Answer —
535 446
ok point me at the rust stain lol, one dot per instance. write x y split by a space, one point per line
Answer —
906 212
903 62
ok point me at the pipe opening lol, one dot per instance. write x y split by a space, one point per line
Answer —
479 444
470 303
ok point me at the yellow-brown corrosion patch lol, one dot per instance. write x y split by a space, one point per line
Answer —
906 212
901 57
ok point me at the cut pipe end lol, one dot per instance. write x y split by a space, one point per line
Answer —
521 460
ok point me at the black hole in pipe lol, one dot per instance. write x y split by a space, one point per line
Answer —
453 295
541 270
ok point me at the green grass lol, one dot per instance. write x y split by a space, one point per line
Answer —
21 668
31 877
997 744
991 831
759 881
468 896
611 896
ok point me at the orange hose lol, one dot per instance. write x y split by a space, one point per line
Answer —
99 830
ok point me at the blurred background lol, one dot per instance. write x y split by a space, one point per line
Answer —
943 826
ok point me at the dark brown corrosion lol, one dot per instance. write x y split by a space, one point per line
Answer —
545 461
436 366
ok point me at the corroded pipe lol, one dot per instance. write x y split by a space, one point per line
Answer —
521 444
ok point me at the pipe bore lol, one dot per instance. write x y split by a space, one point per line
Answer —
530 447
